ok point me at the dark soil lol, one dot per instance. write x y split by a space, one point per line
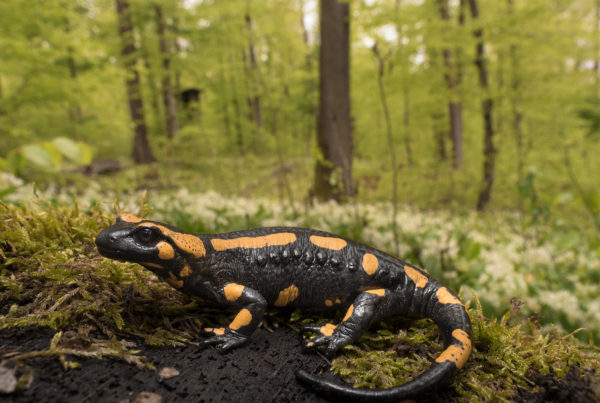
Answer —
261 371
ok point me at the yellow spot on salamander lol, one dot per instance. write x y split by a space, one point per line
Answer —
165 250
186 271
233 291
444 296
458 354
328 242
370 263
416 276
174 281
338 301
328 302
348 313
286 296
282 238
243 318
129 218
378 291
328 329
186 242
218 331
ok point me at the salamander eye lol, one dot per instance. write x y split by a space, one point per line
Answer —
146 235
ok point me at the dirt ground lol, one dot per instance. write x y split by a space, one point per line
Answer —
261 371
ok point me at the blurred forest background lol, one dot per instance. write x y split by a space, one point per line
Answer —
448 106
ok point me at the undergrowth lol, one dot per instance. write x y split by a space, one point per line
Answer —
51 275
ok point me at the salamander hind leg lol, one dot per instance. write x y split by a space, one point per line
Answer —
243 324
358 318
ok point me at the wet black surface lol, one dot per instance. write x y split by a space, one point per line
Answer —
262 370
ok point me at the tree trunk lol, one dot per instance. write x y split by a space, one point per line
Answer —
177 71
141 148
172 125
333 172
253 98
487 106
390 138
453 80
75 109
237 111
515 101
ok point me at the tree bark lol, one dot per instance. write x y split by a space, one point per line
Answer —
333 171
487 106
141 149
453 79
171 123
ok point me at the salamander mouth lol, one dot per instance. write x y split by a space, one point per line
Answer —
112 253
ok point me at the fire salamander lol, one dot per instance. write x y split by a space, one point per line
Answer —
295 267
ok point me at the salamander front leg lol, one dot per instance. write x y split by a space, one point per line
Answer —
245 322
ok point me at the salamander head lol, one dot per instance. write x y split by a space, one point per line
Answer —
135 240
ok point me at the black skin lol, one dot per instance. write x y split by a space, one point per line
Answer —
285 267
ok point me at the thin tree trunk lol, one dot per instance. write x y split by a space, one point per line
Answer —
237 110
391 145
172 125
487 106
254 98
406 124
76 113
515 102
439 134
156 115
333 171
405 92
75 109
141 148
177 72
283 178
453 80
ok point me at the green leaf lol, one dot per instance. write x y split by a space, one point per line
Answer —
68 148
473 250
38 155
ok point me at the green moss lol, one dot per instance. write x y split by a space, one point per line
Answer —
51 275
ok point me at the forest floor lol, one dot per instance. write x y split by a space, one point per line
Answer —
262 371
